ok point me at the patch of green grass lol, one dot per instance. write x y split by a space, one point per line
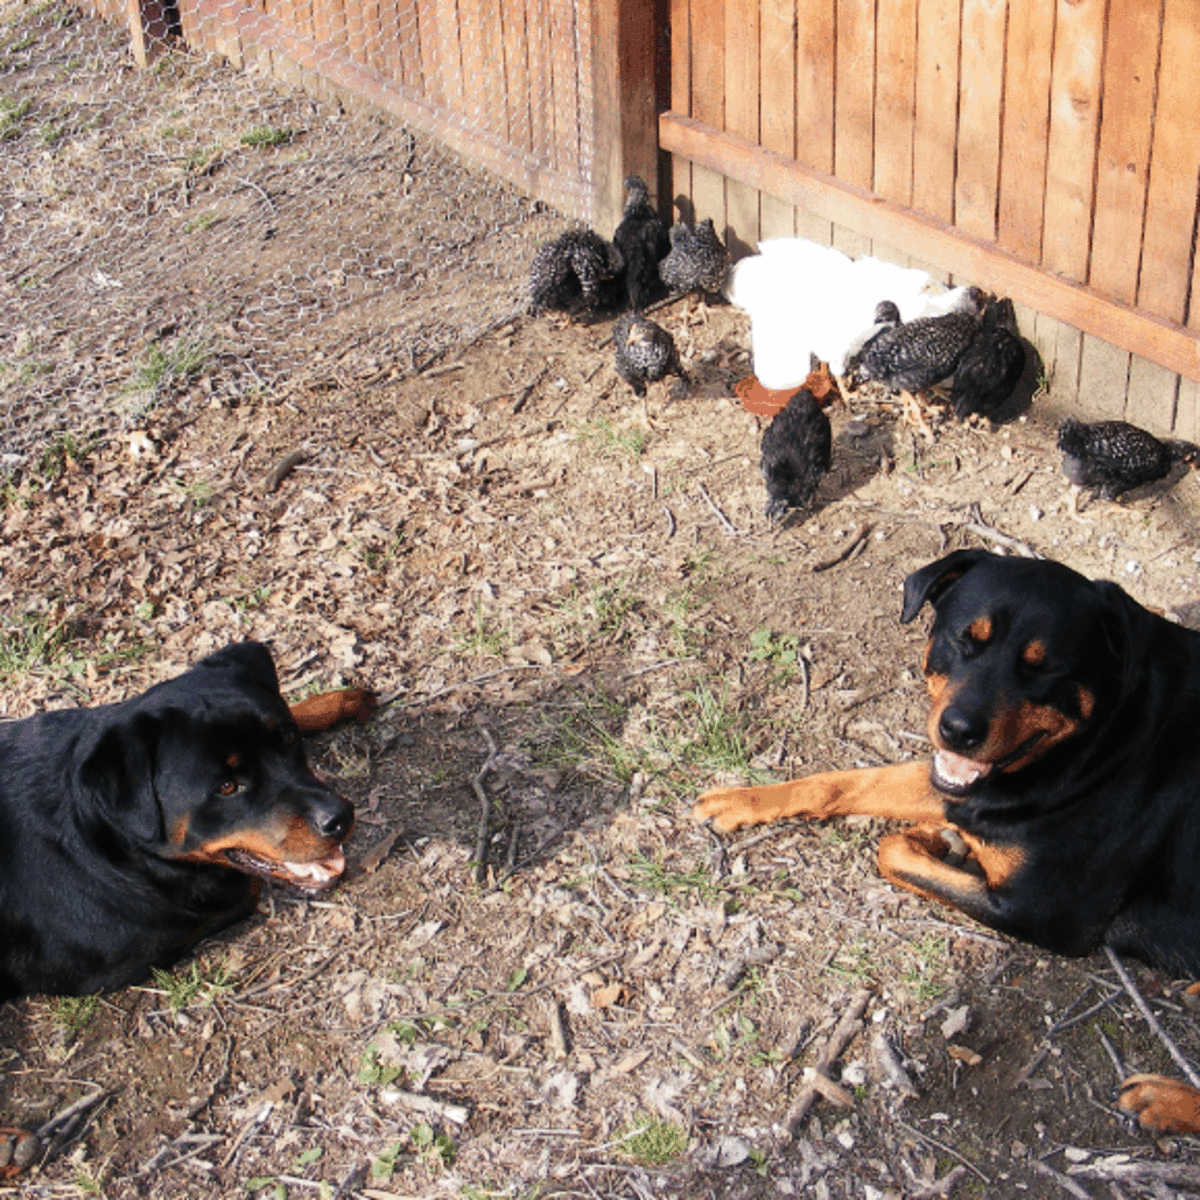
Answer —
384 1167
603 435
485 639
653 1142
257 1184
714 733
12 113
924 979
267 135
31 643
182 362
779 649
651 876
204 221
73 1013
198 984
50 133
63 448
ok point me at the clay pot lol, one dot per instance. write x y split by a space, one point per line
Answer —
762 401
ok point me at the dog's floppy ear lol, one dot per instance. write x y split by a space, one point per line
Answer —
251 657
929 583
119 775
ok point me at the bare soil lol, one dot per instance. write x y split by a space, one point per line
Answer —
572 606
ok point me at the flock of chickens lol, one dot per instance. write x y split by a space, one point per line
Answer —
975 346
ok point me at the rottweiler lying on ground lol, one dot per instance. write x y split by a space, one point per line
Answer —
129 832
1062 805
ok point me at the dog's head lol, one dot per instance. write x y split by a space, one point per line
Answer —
210 768
1021 656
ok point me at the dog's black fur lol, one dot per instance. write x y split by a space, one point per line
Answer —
131 831
1104 809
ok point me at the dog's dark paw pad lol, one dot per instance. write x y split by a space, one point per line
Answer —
18 1151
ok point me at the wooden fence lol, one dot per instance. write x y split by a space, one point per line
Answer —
1044 150
1047 151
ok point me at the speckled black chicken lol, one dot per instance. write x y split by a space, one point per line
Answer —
697 262
887 316
917 354
577 270
645 351
796 452
1107 458
643 242
991 365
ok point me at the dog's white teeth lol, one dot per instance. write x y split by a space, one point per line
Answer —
320 872
959 771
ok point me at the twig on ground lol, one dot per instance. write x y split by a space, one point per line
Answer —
1068 1185
670 522
283 469
394 697
485 807
1139 1002
1172 1174
261 191
932 1141
823 564
980 527
726 524
830 1051
1111 1051
802 663
656 666
427 1104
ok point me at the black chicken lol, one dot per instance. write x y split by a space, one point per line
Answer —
1110 457
698 262
645 351
643 241
578 269
991 365
796 453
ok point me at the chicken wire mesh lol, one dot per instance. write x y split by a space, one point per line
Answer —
218 223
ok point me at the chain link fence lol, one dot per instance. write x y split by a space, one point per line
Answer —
205 228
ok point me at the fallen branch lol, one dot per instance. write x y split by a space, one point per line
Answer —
485 807
979 526
726 524
1067 1185
1172 1174
1173 1050
426 1104
283 469
831 1050
823 564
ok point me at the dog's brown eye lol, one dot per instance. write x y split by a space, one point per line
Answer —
228 787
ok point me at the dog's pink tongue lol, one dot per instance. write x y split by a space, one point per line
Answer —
959 771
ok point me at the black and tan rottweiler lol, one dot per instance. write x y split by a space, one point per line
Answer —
131 831
1062 803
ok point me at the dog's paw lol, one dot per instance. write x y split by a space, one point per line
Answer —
327 709
727 808
1161 1105
18 1151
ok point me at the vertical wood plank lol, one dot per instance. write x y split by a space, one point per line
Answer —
1130 66
708 101
742 91
816 29
1103 379
681 96
356 36
777 115
980 98
895 98
1071 155
565 67
937 100
854 94
1174 168
1151 402
516 73
431 71
1026 127
1187 410
541 122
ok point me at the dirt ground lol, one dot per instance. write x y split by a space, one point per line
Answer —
572 607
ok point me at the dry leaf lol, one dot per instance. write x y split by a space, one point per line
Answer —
964 1054
605 996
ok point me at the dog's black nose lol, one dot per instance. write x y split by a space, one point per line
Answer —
961 730
334 818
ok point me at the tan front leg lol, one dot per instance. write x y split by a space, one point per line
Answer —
900 793
1162 1105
